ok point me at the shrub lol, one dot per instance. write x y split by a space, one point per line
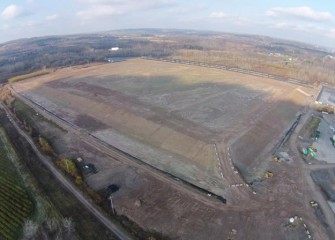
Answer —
26 76
45 146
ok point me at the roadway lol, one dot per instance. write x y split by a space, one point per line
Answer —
118 231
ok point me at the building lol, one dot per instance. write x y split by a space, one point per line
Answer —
113 49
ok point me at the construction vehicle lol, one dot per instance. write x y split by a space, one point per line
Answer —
268 174
313 148
314 204
332 139
317 134
310 151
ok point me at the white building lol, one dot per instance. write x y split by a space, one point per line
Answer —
114 49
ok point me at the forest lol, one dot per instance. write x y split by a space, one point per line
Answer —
258 53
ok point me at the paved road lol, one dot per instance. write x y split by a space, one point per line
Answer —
120 233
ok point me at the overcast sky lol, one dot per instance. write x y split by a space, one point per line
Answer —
311 21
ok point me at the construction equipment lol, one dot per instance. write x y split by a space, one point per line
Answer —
332 139
268 174
314 203
313 148
310 151
317 134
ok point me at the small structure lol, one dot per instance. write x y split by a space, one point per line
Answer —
138 203
114 49
90 168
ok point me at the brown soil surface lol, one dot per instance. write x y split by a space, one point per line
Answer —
177 110
170 116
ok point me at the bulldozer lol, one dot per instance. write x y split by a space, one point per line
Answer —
314 204
268 174
313 148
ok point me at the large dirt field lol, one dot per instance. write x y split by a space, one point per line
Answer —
140 106
173 116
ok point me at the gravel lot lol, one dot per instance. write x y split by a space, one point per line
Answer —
326 151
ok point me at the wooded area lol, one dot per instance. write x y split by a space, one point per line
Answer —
257 53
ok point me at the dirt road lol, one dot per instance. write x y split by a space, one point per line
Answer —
306 173
238 188
120 233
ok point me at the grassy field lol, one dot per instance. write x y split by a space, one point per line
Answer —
247 57
312 126
16 206
29 75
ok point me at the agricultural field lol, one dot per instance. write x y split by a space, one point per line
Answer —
16 206
174 117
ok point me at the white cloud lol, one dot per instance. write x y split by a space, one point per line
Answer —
98 11
51 17
31 23
102 8
300 12
100 1
30 1
5 27
331 33
201 6
144 2
11 12
292 26
217 15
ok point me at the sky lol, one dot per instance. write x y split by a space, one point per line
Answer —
310 21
